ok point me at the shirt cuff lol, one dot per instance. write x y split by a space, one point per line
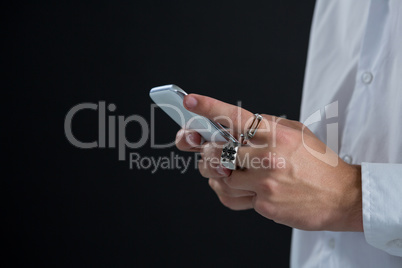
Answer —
382 206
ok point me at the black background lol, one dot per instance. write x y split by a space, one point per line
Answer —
72 207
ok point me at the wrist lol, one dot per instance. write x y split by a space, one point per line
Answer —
353 220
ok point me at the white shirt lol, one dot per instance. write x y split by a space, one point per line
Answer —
355 62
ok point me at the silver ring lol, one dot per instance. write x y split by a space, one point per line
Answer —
229 154
253 127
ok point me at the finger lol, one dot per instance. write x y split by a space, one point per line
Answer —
237 203
222 189
270 125
210 164
211 169
212 150
241 180
232 116
286 122
246 157
188 140
256 160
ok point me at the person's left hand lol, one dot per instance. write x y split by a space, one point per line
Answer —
277 175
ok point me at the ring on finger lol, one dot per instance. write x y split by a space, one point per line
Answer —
252 130
229 154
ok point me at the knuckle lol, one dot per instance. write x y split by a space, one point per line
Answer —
211 154
268 187
284 135
179 137
180 144
212 184
265 208
203 168
206 147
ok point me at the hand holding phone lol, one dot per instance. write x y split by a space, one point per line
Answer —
170 99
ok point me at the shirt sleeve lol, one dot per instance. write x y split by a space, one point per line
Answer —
382 206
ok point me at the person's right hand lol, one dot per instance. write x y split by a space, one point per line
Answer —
210 167
307 191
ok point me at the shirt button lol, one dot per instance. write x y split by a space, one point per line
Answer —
331 243
347 159
367 77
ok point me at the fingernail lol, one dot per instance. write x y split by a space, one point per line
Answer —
179 135
221 171
190 102
191 139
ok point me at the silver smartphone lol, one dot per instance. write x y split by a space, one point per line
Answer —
170 99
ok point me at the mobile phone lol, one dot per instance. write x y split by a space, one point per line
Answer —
170 99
